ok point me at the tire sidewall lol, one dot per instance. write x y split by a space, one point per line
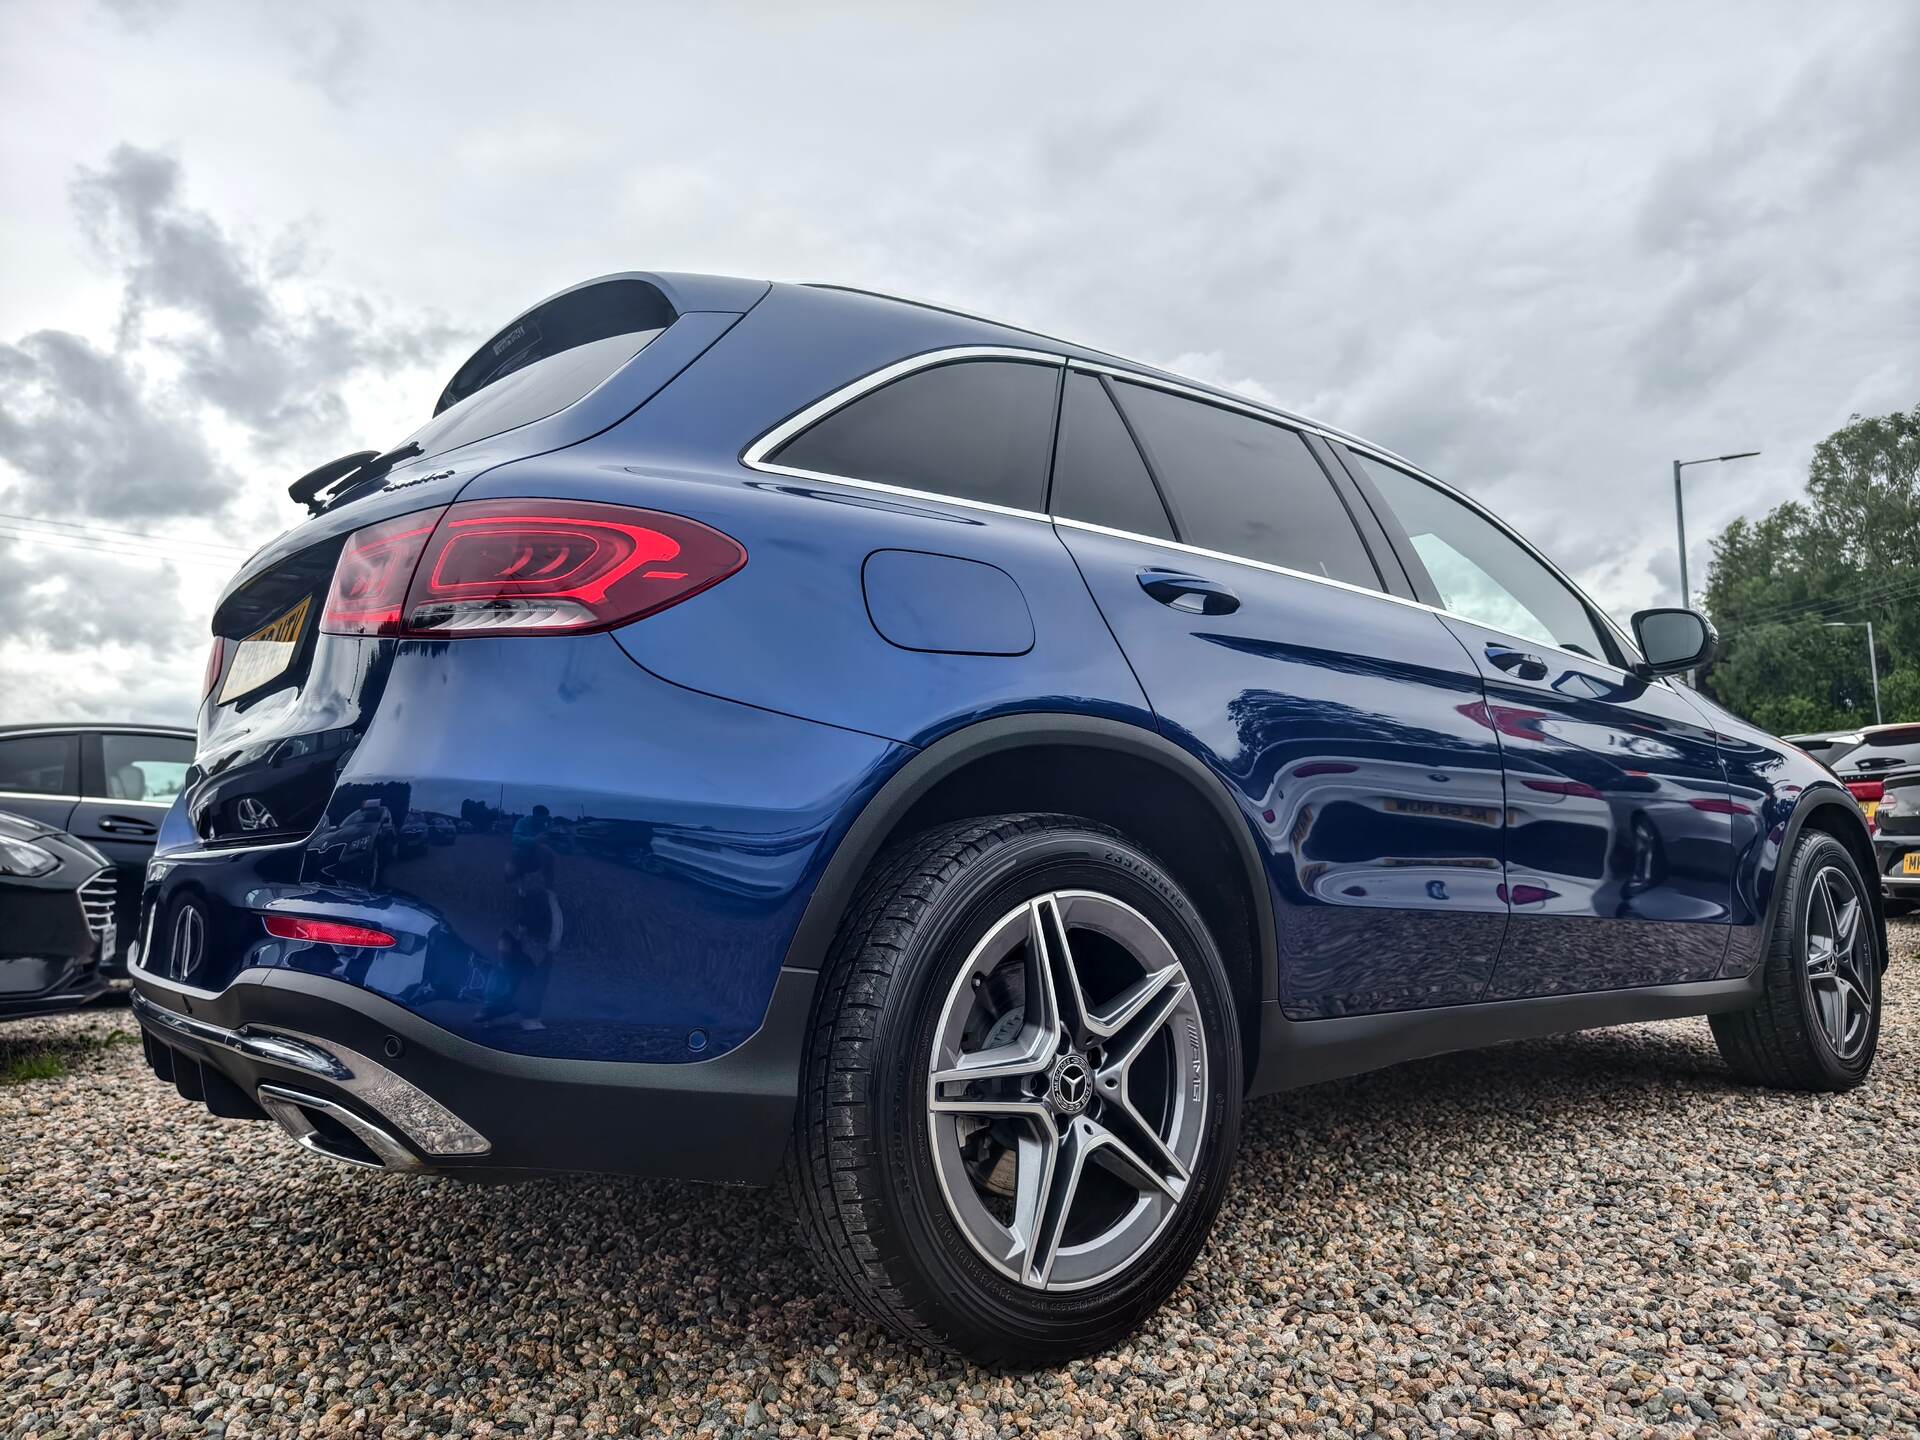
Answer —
1824 851
1037 862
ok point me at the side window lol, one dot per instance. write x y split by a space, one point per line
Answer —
1098 474
144 767
1246 487
40 764
974 429
1480 571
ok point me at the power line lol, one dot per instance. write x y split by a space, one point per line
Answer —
85 528
1836 606
124 548
1867 595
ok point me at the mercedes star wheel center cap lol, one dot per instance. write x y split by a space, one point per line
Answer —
1071 1085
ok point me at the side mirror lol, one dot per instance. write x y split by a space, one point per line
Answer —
1674 640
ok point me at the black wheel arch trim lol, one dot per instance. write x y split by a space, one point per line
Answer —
877 820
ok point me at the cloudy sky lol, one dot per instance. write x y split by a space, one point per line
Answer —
1542 250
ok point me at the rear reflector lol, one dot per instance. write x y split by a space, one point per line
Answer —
326 932
522 567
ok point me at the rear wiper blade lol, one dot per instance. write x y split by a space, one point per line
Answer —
348 471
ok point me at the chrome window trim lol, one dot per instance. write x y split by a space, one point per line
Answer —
171 732
1519 640
1386 457
754 456
39 795
109 800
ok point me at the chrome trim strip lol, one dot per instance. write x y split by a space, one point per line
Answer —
754 456
1388 457
421 1118
1184 549
109 800
288 1109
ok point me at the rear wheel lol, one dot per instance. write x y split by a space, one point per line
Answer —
1818 1022
1022 1096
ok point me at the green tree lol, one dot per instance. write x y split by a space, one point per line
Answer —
1848 550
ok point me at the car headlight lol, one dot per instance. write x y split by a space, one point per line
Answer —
17 857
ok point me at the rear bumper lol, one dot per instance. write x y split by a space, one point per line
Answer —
1888 852
374 1083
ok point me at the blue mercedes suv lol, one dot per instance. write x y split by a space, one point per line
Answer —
777 731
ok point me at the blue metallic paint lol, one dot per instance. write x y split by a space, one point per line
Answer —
700 768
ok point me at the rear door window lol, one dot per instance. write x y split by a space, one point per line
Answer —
1886 751
1098 475
40 765
152 768
974 429
1246 486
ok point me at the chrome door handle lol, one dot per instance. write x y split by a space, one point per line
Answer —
1194 594
121 825
1518 663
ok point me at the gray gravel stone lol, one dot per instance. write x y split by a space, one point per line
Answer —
1593 1234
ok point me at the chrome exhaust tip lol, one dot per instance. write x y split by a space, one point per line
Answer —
334 1131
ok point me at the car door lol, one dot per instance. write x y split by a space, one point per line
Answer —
1229 563
40 775
129 780
1620 848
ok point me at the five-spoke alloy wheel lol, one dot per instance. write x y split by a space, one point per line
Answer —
1817 1022
1068 1090
1022 1098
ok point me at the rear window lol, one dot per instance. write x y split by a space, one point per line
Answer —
973 429
1895 749
144 767
533 391
1244 486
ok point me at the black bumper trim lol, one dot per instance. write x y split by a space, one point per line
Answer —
725 1120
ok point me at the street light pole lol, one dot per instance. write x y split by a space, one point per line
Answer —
1680 513
1873 662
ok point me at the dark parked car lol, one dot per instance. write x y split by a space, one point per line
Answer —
970 763
108 785
56 918
1880 765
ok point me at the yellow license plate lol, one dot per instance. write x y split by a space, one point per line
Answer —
1910 863
1867 808
267 652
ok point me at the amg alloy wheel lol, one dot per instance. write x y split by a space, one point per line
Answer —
1817 1023
1022 1096
1068 1090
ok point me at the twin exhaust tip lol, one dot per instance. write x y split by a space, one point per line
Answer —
334 1131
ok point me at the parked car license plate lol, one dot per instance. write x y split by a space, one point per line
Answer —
1910 863
264 654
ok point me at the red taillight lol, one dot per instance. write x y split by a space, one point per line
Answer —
369 591
326 932
522 567
215 658
1867 789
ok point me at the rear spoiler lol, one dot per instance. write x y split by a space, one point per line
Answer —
594 310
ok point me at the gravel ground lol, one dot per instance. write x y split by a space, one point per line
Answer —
1596 1233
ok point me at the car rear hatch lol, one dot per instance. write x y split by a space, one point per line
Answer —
285 703
1883 774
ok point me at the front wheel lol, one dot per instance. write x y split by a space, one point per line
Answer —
1818 1021
1022 1096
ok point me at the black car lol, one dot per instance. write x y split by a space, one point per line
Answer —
56 918
1880 764
107 785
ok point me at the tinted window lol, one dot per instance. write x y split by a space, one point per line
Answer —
1895 748
533 392
1098 474
979 429
1481 572
144 767
1246 487
39 764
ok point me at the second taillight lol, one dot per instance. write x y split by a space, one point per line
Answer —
522 567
